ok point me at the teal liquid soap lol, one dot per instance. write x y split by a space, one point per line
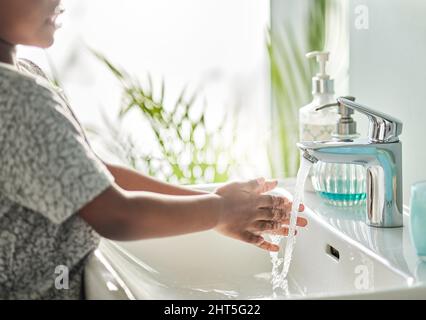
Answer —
340 184
353 197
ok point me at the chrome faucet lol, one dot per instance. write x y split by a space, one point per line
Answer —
380 154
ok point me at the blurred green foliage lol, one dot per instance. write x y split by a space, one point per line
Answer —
189 152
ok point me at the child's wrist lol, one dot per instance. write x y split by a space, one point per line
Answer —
217 208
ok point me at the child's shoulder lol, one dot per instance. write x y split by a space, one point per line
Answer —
23 84
32 67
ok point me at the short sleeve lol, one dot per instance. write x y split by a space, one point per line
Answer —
45 163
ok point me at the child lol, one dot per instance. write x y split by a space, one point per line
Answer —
57 198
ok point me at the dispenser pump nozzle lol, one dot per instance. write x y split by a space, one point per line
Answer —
322 58
321 83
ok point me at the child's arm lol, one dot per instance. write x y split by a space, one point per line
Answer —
238 210
132 180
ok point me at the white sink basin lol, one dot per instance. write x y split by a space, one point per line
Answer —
336 256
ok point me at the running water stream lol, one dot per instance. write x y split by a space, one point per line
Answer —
279 279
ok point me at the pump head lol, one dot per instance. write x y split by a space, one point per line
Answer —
322 58
321 82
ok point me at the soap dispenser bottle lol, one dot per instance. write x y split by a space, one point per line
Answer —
341 184
318 125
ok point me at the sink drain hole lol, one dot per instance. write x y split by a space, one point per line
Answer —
332 252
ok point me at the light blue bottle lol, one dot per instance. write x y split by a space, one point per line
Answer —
341 184
418 218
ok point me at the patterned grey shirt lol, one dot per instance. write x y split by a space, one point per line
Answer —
47 173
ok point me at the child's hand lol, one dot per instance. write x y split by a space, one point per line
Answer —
246 212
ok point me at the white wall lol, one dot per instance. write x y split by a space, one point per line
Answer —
388 73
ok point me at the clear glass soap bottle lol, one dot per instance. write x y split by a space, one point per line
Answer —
341 184
318 125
